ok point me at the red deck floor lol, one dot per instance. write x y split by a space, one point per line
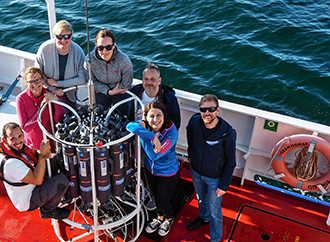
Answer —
259 213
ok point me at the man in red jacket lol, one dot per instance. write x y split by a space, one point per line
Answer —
23 171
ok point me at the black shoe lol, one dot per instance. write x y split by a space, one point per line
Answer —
165 227
66 200
57 213
153 225
196 223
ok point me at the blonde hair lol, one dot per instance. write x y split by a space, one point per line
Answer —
61 26
35 70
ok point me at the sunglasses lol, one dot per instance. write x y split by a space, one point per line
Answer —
107 47
35 82
64 36
210 109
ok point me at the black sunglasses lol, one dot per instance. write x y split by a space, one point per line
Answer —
210 109
64 36
101 47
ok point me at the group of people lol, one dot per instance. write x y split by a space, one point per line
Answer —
211 154
61 63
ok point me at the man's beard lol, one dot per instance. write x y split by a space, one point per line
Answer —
150 89
17 152
209 120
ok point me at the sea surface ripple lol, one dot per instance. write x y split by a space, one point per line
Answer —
270 54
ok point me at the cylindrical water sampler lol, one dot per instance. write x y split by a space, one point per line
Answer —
71 169
102 172
117 169
84 174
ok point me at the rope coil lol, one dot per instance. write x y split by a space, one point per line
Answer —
305 165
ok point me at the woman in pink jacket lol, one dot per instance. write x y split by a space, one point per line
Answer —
28 104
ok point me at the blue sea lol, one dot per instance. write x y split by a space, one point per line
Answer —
269 54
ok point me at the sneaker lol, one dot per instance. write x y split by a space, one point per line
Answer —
165 228
196 223
57 213
153 225
151 205
65 200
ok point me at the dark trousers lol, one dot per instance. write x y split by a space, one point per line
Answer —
163 187
48 195
107 101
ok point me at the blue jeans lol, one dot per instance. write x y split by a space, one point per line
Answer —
209 205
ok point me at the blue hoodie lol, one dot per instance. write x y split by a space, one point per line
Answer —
163 163
214 157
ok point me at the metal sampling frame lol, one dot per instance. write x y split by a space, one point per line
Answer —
138 211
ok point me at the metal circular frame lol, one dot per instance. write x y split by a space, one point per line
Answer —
137 211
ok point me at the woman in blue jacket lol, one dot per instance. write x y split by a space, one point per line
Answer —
158 137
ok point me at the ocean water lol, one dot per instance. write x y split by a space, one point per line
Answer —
269 54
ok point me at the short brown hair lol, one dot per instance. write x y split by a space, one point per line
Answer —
105 33
209 98
10 125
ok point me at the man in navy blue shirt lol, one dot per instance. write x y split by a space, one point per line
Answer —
211 152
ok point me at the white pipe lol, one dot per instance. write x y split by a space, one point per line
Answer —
138 194
51 16
49 168
93 181
22 70
51 118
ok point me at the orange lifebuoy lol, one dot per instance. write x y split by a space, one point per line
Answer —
287 144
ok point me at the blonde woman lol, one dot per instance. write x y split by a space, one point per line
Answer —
62 62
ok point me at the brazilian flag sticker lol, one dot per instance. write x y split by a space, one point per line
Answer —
270 125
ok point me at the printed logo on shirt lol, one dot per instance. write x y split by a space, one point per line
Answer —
212 143
165 146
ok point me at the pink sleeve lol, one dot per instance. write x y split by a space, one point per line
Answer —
24 111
